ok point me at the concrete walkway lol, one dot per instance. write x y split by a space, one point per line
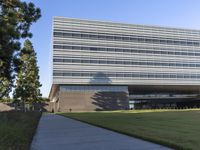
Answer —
59 133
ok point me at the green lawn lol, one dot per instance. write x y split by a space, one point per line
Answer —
17 129
176 129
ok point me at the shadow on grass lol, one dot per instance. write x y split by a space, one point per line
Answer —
17 129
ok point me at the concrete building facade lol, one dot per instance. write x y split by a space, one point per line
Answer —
99 65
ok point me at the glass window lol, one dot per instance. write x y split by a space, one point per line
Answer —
143 75
193 76
110 62
102 37
110 37
119 50
67 60
179 75
57 60
58 46
126 38
127 75
84 35
85 74
76 74
196 44
134 75
186 76
184 53
93 36
67 74
150 75
85 61
185 65
93 48
171 53
166 76
158 75
57 74
76 35
119 75
102 49
76 60
127 62
127 50
172 75
118 62
67 34
67 47
85 48
94 61
102 61
117 38
76 47
192 65
112 75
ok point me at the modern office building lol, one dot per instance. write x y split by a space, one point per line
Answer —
101 65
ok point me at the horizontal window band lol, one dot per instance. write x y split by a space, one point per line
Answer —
94 88
126 38
104 75
124 50
100 61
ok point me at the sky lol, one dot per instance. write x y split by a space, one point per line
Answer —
170 13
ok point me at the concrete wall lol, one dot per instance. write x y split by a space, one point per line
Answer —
91 101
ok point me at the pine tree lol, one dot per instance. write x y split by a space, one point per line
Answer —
16 18
27 83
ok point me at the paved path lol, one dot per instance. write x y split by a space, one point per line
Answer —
59 133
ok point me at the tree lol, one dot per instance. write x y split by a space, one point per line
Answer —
16 18
27 82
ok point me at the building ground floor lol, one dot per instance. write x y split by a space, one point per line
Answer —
67 98
164 104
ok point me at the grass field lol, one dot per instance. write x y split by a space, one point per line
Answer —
176 129
17 129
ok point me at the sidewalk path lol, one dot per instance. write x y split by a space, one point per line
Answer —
60 133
